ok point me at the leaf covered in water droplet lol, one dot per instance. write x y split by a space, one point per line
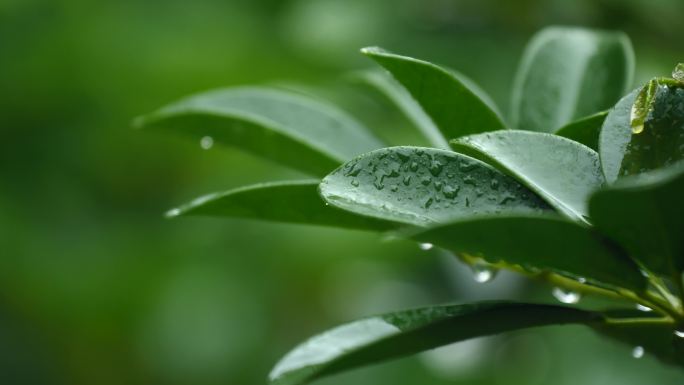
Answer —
561 171
433 186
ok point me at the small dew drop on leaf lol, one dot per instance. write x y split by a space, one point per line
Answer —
643 308
206 142
407 180
566 296
425 246
355 182
483 272
679 333
638 352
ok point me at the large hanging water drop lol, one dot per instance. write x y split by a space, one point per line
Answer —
566 296
206 142
483 272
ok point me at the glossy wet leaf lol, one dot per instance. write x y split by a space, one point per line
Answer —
645 213
561 171
569 73
291 201
398 95
659 144
420 186
585 130
398 334
539 243
453 103
287 128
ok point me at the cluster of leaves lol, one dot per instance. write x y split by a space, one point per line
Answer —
564 190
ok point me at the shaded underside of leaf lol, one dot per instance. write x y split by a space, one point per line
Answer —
585 130
568 73
654 336
645 213
422 186
659 144
399 96
537 244
402 333
453 104
561 171
284 127
291 202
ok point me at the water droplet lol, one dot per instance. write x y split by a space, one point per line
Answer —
407 180
206 142
466 166
425 180
679 333
439 185
494 184
566 296
638 352
641 307
483 272
582 280
450 191
638 129
428 203
353 170
436 168
355 183
394 188
413 166
378 185
426 246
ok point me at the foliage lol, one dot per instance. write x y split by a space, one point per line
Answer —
563 191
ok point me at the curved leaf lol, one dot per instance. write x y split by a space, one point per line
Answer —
585 130
284 127
540 243
292 202
561 171
659 144
455 105
407 332
645 213
568 73
396 93
420 186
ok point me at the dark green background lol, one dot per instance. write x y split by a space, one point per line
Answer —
97 288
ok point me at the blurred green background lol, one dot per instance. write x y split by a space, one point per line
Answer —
96 287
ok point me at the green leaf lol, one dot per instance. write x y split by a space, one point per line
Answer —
540 243
660 143
287 128
585 130
561 171
422 186
568 73
398 95
402 333
645 213
292 202
453 102
655 336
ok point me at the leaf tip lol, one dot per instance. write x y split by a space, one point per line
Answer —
174 212
372 50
